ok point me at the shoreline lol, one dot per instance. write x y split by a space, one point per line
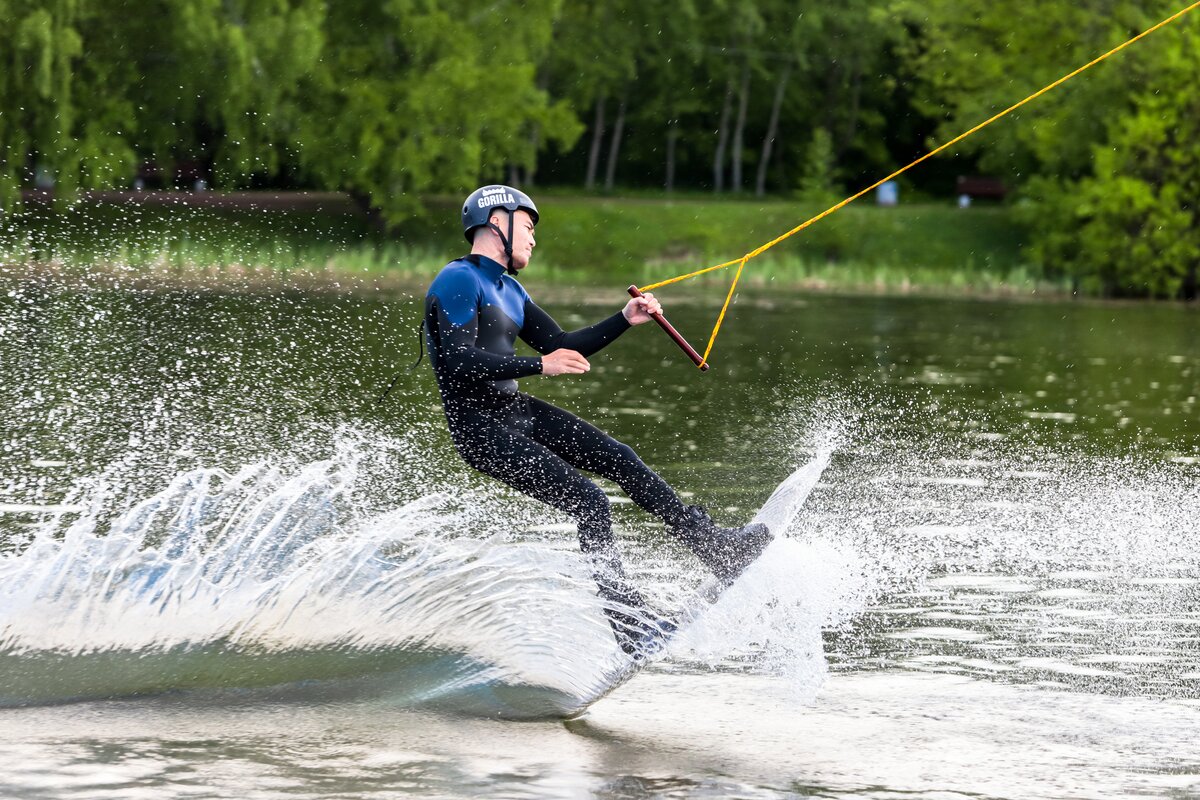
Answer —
253 242
555 287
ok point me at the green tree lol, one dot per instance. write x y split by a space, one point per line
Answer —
818 183
418 97
1107 163
91 86
973 61
40 45
598 49
1131 226
386 100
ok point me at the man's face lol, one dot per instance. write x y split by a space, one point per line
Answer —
522 238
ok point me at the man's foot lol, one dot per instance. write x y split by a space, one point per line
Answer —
639 632
643 638
725 551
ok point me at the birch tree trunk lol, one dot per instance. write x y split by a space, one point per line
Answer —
722 140
589 182
672 137
740 129
833 98
760 182
851 129
614 148
535 143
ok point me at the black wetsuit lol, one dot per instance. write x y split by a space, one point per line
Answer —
474 313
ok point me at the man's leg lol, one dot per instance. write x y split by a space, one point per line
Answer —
586 447
507 455
725 551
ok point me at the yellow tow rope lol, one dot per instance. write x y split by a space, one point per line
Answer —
741 262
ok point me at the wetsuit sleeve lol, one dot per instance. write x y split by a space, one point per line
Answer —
543 334
457 311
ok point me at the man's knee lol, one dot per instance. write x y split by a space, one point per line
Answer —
625 453
625 465
593 515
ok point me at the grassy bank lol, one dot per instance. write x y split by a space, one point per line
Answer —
585 240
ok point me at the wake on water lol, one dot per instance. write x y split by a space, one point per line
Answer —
273 579
262 578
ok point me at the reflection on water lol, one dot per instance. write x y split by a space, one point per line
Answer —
1002 551
675 735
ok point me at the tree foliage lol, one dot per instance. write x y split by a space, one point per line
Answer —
392 100
1129 226
418 97
1108 165
385 100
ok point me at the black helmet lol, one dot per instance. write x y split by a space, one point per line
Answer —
480 204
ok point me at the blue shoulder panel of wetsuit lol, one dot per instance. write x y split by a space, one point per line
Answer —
462 289
457 291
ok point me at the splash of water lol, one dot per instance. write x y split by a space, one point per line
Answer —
263 577
252 579
772 618
275 575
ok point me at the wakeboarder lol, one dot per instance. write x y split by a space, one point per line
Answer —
475 310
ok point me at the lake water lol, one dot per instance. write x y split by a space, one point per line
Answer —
226 570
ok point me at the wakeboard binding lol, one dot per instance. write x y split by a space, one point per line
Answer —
726 552
646 637
639 632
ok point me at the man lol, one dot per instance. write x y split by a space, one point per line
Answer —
474 312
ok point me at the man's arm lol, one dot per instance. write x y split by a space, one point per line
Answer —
464 360
544 335
453 307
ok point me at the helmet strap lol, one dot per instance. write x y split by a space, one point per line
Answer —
506 241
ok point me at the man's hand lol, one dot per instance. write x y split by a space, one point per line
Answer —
639 309
564 362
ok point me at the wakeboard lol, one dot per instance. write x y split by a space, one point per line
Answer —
777 514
